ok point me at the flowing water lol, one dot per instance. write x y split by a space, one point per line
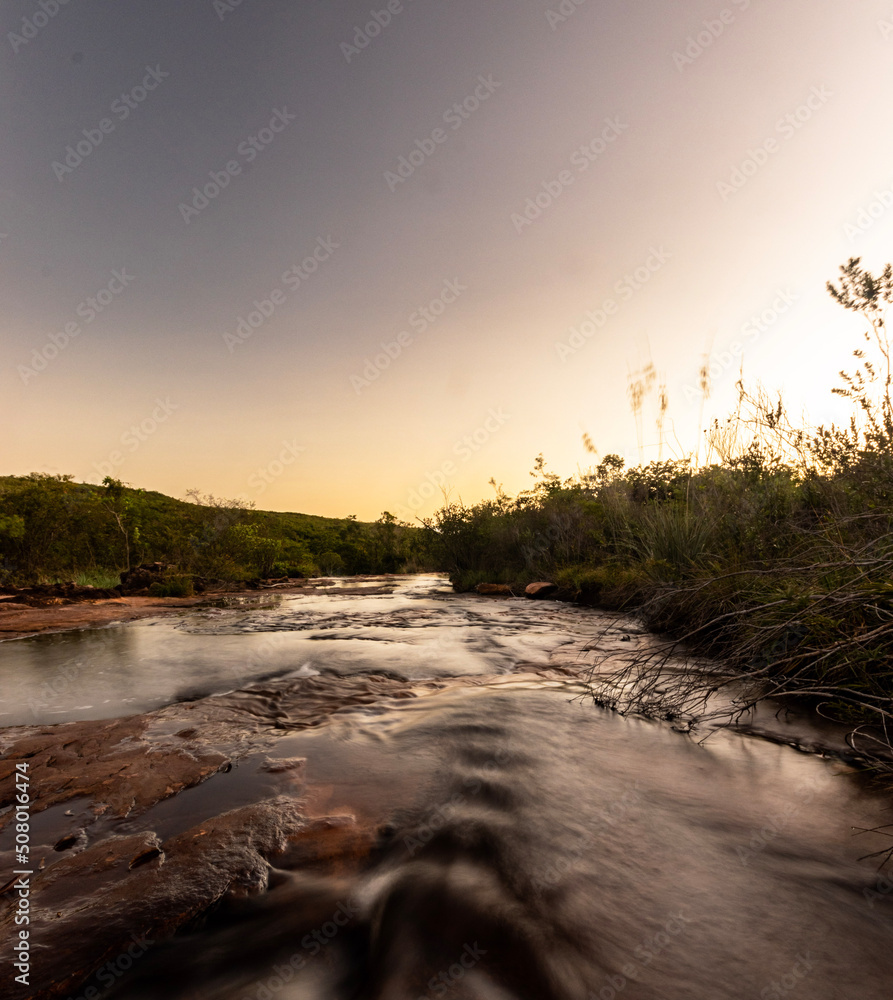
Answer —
413 626
529 844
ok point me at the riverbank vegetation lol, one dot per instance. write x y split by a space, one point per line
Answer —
774 554
771 553
55 529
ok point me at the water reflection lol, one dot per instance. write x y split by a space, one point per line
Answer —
418 630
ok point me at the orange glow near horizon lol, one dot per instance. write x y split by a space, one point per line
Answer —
450 260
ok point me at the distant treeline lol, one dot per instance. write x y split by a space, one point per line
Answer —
52 528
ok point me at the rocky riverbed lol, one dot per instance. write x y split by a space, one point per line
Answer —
369 827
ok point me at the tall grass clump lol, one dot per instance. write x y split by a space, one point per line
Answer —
773 553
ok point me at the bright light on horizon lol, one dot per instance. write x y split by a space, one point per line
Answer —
449 252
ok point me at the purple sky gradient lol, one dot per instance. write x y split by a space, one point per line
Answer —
433 341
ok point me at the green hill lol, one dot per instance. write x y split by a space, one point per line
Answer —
52 527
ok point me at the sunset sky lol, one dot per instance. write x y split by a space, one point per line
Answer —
327 256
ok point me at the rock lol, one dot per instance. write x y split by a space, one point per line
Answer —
138 888
112 761
140 578
495 589
101 890
541 589
278 765
47 595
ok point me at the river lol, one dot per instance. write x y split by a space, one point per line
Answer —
527 843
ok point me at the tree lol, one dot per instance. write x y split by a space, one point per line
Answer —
330 563
386 552
121 502
547 482
50 524
869 295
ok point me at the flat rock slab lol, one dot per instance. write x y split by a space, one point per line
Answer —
113 873
495 590
109 761
138 890
541 589
17 620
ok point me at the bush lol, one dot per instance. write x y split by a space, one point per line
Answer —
330 563
775 558
173 586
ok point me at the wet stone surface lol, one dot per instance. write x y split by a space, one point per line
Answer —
394 822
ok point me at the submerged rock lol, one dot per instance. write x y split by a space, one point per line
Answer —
109 850
139 889
111 761
495 590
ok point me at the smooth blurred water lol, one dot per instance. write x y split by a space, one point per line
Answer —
579 855
421 629
530 844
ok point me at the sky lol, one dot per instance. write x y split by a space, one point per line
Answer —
341 257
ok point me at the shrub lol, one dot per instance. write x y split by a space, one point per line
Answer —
173 586
330 563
